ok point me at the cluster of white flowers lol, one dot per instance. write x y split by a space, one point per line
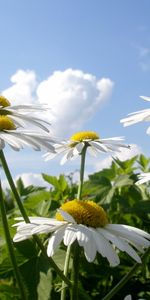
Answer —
96 236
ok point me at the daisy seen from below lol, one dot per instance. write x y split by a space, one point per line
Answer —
22 115
138 116
87 223
90 140
10 128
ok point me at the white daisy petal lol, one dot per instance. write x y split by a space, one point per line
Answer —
86 240
138 116
19 237
8 138
49 155
98 146
40 220
14 119
143 177
83 235
120 244
145 98
70 235
112 140
55 240
67 156
105 248
93 151
78 149
130 234
25 228
43 229
66 216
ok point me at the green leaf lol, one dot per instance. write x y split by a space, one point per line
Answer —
144 163
34 199
127 165
8 291
43 208
59 258
45 285
123 180
51 180
62 183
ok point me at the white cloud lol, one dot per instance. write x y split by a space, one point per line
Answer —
123 155
23 87
28 179
74 96
31 178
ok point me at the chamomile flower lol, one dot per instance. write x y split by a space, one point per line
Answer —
87 223
22 115
14 136
73 147
143 178
138 116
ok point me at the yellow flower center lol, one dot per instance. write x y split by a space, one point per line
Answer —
84 135
84 212
6 123
4 102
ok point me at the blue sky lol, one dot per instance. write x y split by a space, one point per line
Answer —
106 39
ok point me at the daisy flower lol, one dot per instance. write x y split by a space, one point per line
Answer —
73 147
143 177
138 116
11 134
22 115
87 223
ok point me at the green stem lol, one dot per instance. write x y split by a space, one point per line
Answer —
26 218
13 187
75 272
83 154
75 268
66 267
11 249
126 278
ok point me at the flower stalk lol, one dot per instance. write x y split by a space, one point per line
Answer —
66 267
13 187
75 272
75 265
26 218
83 154
23 291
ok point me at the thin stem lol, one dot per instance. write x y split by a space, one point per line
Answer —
75 268
83 154
13 187
11 249
126 278
75 272
26 218
66 266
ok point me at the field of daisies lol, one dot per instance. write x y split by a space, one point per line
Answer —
73 240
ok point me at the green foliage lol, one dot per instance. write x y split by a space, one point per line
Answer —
114 188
